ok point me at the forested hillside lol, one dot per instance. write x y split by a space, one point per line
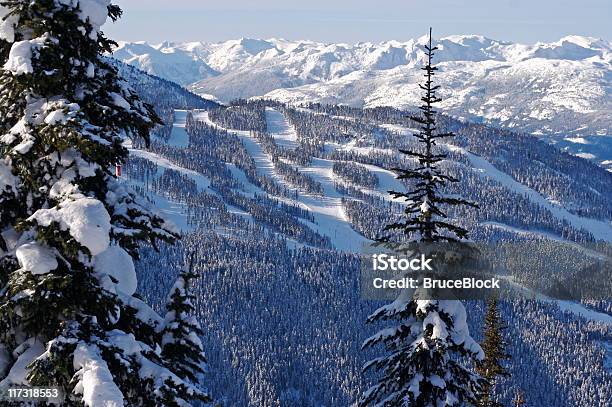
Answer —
276 201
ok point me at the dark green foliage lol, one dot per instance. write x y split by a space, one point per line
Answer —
181 347
494 346
424 214
64 119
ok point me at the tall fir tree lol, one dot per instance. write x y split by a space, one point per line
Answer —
519 399
494 346
181 345
422 366
68 229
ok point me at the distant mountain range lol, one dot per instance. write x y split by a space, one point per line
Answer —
562 87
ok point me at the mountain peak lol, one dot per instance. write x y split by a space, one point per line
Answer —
472 39
571 48
165 45
513 84
581 40
254 46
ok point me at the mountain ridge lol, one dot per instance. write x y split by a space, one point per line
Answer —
556 88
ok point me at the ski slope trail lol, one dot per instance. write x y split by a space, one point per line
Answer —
201 181
387 180
599 229
179 137
330 219
284 134
176 212
564 305
545 235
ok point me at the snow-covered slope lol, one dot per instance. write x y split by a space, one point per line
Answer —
300 290
560 87
175 65
329 217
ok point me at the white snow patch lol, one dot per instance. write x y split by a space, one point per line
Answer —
116 262
174 213
437 381
566 306
24 354
7 179
577 140
425 208
582 311
415 384
120 101
35 258
284 134
438 326
86 219
7 25
59 111
179 137
93 11
20 58
460 334
544 235
143 311
96 384
201 181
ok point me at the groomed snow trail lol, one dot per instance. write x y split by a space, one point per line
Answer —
174 211
179 137
330 219
566 306
284 134
545 235
171 210
600 230
201 181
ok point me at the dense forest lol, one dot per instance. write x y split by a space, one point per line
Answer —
297 341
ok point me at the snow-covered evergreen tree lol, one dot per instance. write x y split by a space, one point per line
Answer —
182 348
423 367
68 229
494 346
519 399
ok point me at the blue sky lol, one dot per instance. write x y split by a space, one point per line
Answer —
358 20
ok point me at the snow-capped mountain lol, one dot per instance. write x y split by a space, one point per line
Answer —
550 88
